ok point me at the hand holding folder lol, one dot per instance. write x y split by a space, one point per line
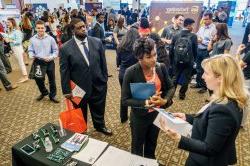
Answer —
142 91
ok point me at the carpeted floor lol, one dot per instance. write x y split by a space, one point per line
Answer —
21 114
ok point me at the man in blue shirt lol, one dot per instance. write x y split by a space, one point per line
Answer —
44 50
205 34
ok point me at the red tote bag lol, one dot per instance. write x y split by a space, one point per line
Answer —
72 118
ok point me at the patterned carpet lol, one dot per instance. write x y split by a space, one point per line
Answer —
21 114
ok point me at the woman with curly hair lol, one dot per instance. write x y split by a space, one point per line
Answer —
147 70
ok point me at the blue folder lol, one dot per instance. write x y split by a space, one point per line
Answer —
142 91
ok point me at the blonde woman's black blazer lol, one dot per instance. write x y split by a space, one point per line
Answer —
214 132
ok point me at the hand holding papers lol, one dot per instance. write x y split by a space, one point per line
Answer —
142 91
77 93
173 123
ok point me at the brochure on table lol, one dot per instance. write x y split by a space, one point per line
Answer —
114 157
91 151
75 143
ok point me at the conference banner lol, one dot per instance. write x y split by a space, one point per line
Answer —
112 4
162 13
90 6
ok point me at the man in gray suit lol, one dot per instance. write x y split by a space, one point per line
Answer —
82 60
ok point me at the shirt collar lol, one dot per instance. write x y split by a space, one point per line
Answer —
45 36
98 23
208 26
79 41
173 27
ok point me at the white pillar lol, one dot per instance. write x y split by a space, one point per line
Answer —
136 4
2 4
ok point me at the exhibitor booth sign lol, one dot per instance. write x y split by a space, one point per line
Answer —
161 13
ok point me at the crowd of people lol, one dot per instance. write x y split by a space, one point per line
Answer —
79 38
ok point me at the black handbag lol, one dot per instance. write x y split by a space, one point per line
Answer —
38 70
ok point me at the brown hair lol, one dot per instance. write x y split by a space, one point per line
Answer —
66 18
13 22
222 31
120 22
51 19
26 22
40 22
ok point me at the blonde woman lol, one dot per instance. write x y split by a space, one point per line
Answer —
15 37
216 125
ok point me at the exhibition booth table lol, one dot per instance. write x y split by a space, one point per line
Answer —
49 146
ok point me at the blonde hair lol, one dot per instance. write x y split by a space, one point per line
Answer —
232 80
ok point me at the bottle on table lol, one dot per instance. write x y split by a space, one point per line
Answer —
48 145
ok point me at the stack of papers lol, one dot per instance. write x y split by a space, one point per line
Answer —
91 151
75 143
178 125
114 157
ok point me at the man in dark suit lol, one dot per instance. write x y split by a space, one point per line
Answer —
98 30
82 60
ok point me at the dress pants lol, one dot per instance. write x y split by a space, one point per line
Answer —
247 109
18 53
50 71
5 59
3 76
186 72
201 55
96 103
144 135
123 109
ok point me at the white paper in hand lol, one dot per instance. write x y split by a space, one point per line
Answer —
78 92
176 124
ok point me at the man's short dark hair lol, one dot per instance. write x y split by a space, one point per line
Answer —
209 14
74 21
40 22
99 15
188 21
178 15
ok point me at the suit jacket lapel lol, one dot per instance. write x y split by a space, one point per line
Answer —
90 46
159 72
101 31
140 73
78 51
